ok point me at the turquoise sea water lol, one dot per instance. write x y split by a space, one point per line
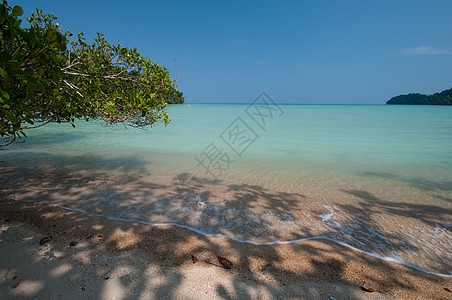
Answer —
378 178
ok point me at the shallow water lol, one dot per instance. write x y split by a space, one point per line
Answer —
377 178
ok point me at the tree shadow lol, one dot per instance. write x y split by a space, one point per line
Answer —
430 215
310 269
443 198
38 139
70 163
420 183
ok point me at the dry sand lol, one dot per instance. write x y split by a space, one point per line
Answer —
91 257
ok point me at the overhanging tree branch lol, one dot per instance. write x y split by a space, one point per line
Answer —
42 81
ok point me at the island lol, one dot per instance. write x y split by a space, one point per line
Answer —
442 98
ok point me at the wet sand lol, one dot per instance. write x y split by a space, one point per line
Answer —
94 258
417 233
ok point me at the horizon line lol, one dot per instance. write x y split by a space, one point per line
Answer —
285 103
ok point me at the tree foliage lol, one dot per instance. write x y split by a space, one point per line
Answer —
443 98
174 96
47 75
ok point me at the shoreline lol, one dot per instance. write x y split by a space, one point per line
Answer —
390 231
200 232
325 266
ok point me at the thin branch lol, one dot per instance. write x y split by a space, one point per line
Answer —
42 124
71 65
34 56
73 86
76 74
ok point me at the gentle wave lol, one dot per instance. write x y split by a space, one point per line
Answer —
382 171
231 237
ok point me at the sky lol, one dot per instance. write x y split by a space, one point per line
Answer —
313 52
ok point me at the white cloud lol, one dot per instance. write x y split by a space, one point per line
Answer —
426 50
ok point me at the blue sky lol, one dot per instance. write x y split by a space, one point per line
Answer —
296 51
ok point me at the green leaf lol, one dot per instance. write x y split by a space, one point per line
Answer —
34 41
31 80
17 11
4 96
4 74
41 87
10 116
51 35
3 15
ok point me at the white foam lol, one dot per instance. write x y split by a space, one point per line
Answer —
326 217
231 237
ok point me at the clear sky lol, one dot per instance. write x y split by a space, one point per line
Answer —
296 51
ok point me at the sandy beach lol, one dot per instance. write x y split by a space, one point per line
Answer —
94 258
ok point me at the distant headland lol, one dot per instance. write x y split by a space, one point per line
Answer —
443 98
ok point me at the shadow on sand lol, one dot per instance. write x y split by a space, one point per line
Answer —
314 269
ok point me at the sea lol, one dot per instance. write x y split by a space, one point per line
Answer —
374 178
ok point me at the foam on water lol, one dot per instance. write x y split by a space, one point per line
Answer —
230 225
426 247
373 178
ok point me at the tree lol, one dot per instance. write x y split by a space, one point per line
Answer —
47 75
174 97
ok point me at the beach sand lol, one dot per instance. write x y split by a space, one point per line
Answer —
90 257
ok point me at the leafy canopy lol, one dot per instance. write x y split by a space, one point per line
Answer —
47 75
